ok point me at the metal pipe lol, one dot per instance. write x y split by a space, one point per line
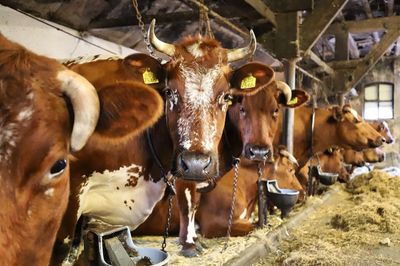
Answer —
288 121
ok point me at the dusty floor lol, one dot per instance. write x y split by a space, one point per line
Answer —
359 225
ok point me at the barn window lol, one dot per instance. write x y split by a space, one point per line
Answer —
378 101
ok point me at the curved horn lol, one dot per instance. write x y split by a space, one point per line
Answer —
85 103
282 86
289 156
163 47
240 53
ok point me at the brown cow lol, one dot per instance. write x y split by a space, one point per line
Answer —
383 128
340 126
121 163
331 160
46 110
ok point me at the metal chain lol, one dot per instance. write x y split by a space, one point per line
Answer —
143 30
235 163
204 22
167 225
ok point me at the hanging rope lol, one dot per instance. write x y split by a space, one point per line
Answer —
204 22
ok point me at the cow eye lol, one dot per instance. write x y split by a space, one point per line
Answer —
58 168
171 96
168 93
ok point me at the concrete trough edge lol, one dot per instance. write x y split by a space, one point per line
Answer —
271 242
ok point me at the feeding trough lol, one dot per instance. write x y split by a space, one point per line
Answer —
282 198
115 247
326 178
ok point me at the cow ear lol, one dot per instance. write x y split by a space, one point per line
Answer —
127 108
299 98
251 78
146 69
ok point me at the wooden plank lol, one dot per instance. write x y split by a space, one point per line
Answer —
284 6
263 9
325 67
318 21
366 25
287 35
373 56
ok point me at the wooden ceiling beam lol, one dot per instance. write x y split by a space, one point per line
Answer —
324 66
284 6
367 25
263 9
318 21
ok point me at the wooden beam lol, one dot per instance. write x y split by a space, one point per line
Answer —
317 22
368 12
325 67
342 45
353 49
373 56
367 25
263 9
397 49
389 7
284 6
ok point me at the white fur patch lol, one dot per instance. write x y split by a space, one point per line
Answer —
195 50
49 192
120 197
202 185
243 214
355 114
197 101
191 230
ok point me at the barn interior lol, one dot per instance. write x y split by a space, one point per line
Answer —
339 51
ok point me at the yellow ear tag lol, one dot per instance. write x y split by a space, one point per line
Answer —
149 77
248 82
292 101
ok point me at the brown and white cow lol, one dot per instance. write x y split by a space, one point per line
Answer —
340 126
383 128
46 111
120 171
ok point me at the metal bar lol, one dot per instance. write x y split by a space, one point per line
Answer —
288 122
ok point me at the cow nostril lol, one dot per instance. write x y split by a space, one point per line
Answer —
251 152
184 166
207 165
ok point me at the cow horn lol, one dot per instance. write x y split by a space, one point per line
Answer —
163 47
240 53
85 103
282 86
289 156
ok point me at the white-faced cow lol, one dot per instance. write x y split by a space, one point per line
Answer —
122 166
46 111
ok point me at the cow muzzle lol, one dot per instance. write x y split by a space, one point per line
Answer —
377 143
196 166
258 153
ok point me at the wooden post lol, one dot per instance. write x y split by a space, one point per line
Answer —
288 121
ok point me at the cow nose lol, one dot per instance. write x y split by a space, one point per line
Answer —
378 142
381 157
195 166
257 153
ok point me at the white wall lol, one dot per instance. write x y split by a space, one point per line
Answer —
47 40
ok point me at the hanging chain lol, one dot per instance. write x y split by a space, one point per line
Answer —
234 189
143 30
204 22
167 225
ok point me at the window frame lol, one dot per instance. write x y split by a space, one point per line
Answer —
377 84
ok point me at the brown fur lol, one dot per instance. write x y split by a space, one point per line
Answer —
29 218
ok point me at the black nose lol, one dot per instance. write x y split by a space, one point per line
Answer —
257 153
195 166
389 140
381 157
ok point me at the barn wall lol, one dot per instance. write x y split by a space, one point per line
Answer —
385 71
47 40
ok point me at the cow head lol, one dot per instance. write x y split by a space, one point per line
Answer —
353 131
353 157
197 97
256 114
36 97
383 128
376 155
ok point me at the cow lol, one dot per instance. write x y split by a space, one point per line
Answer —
252 121
383 128
330 160
118 177
340 126
46 111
